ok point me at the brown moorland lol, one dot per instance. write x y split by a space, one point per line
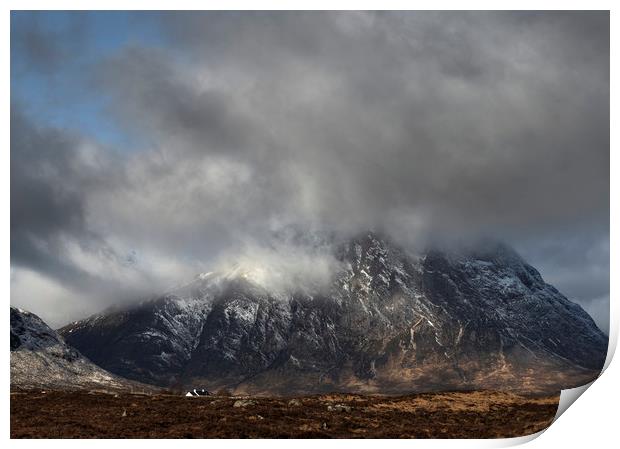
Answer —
477 414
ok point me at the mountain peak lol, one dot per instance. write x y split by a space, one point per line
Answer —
388 321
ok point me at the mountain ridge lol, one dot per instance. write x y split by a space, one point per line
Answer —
40 358
389 322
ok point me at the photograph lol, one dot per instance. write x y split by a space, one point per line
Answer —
306 224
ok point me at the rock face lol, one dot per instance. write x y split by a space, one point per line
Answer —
390 322
41 359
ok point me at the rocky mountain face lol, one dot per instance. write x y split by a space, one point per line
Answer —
389 322
40 358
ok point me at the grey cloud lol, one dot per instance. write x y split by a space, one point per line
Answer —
430 125
147 80
45 200
54 175
486 120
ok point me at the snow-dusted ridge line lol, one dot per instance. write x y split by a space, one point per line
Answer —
389 320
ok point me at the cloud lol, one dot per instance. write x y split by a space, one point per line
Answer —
282 266
429 126
598 308
47 181
56 177
385 114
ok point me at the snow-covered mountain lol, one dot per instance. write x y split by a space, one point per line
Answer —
389 322
40 358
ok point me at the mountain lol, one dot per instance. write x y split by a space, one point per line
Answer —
389 322
40 358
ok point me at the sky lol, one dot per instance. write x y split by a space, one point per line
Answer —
148 147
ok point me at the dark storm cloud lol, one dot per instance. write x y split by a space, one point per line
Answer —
54 174
486 120
46 197
427 125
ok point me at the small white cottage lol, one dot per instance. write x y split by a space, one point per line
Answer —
198 392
